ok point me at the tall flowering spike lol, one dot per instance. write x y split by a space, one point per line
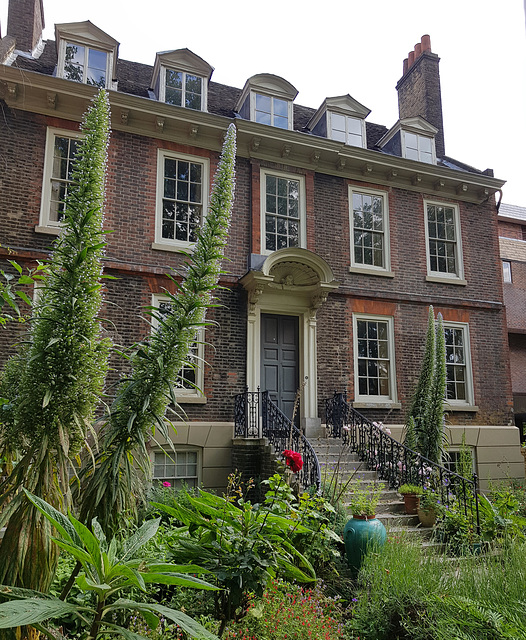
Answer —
142 400
420 402
435 412
55 384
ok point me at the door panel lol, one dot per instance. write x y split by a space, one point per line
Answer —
279 359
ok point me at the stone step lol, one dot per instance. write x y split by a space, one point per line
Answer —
391 520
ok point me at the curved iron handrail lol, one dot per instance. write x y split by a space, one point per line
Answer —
395 463
256 415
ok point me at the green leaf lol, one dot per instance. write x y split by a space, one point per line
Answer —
23 612
25 280
84 583
187 624
90 543
125 633
59 520
139 538
15 265
178 568
47 398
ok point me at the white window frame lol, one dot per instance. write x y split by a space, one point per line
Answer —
419 137
204 84
302 219
361 400
361 267
168 244
361 121
46 225
452 466
171 455
506 272
470 395
440 276
253 94
87 46
193 395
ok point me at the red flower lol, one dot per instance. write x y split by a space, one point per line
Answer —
293 460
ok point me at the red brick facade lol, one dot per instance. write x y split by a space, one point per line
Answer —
403 294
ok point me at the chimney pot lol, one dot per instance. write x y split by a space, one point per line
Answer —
406 67
418 50
411 59
425 42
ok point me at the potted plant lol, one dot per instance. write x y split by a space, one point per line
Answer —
411 493
363 529
428 507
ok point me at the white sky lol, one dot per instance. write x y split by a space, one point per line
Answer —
352 47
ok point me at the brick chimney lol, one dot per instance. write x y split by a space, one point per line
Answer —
419 89
25 22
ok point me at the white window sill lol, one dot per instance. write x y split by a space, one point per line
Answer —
55 231
460 407
443 280
174 248
182 399
376 404
372 272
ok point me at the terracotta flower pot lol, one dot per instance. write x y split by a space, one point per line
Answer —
411 503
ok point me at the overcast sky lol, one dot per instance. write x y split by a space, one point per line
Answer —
351 47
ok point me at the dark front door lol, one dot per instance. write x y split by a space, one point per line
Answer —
279 359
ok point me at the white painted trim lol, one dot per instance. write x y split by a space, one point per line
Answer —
45 224
290 122
331 113
302 206
457 277
190 396
358 266
374 401
469 403
169 452
160 242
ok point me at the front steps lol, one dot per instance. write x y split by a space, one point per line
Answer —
338 464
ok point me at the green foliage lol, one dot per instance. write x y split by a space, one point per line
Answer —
406 593
243 545
112 487
363 501
411 489
425 420
109 570
10 288
51 388
430 501
289 612
433 436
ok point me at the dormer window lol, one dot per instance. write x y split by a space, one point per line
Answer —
267 99
342 119
83 64
86 54
180 78
419 147
411 138
183 89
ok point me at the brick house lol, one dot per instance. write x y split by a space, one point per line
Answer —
343 233
512 237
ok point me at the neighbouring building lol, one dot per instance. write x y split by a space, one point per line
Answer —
512 239
343 233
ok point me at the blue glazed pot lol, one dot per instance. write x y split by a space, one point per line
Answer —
359 535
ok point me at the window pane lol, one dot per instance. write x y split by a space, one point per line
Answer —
281 108
373 357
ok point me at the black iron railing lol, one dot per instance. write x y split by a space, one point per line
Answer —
256 416
395 463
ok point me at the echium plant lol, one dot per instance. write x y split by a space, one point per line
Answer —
142 400
51 388
425 420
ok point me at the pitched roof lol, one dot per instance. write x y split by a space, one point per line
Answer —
134 78
512 211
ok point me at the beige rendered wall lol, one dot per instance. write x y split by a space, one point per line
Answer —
214 441
497 450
